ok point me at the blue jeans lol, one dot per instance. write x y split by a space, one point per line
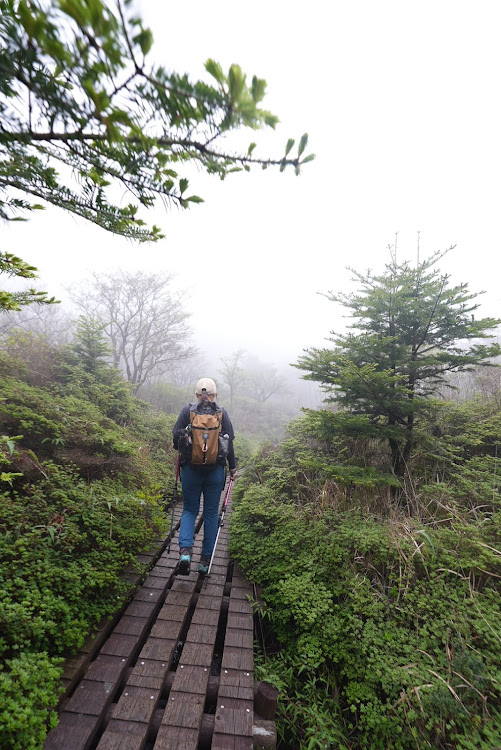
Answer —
194 482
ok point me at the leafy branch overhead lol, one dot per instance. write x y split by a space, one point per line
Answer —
85 114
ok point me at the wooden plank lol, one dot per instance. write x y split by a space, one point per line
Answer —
238 658
191 679
172 611
236 684
205 617
226 742
74 731
239 638
236 702
106 668
235 722
240 605
149 594
119 644
146 681
90 698
240 622
169 629
140 609
160 649
176 738
136 704
155 582
122 735
151 668
182 598
132 625
208 601
184 711
196 654
202 633
240 592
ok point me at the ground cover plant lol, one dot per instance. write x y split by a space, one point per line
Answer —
85 471
381 627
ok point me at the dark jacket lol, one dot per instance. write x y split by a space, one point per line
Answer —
226 428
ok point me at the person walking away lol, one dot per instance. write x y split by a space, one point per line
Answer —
204 435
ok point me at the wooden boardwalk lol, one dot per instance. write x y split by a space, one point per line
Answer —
176 672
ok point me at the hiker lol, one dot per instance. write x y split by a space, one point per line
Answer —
204 435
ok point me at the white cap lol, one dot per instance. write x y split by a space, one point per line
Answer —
207 385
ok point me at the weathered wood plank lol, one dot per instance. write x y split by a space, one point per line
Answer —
227 742
140 609
182 598
176 738
90 698
136 704
106 668
197 654
75 731
205 617
119 644
191 679
184 711
235 722
239 638
240 622
208 601
160 649
151 668
132 625
240 605
169 629
123 735
172 611
202 633
237 658
149 594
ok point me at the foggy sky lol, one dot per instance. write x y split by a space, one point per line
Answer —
401 103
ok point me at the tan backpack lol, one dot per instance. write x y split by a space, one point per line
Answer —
205 428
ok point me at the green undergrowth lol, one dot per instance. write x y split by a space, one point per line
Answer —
381 630
86 471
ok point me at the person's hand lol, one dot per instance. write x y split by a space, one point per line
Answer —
233 473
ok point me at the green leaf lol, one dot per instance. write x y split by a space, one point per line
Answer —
183 184
308 158
289 145
302 144
251 149
215 70
195 199
145 40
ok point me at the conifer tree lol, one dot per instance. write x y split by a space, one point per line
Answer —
411 328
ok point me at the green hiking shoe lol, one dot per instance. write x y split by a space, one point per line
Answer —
203 568
183 566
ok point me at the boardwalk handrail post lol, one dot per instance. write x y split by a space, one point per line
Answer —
221 519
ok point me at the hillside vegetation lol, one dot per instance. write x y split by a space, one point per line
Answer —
373 531
85 470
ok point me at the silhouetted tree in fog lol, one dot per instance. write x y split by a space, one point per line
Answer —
143 319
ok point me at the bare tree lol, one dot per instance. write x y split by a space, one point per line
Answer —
232 373
47 321
143 319
265 381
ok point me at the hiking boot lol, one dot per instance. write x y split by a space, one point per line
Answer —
203 568
183 566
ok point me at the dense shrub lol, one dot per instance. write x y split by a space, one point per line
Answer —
85 468
381 631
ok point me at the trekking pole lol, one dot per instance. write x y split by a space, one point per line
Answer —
174 501
219 527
